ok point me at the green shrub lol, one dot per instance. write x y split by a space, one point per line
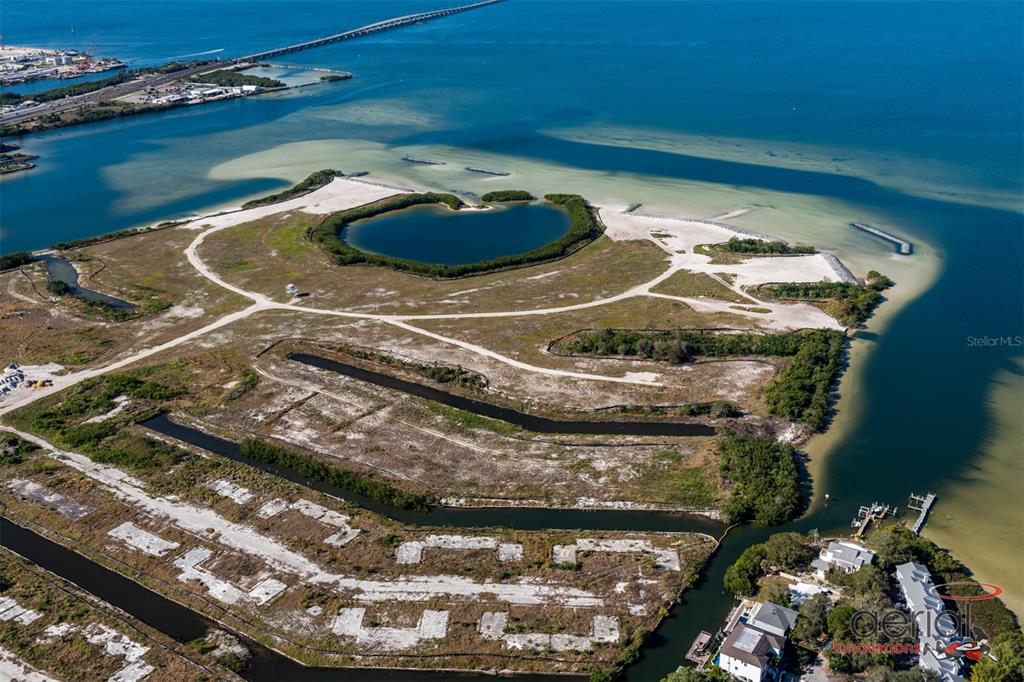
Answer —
742 576
15 260
229 78
852 303
318 471
315 181
765 478
761 246
57 287
507 195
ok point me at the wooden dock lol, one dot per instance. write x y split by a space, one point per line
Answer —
699 651
870 513
922 505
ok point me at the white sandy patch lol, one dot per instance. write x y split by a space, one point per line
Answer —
142 540
184 312
603 629
10 610
663 558
12 668
55 632
349 623
120 403
228 489
220 589
338 195
412 552
272 508
42 495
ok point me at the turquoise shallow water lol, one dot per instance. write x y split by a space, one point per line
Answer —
934 87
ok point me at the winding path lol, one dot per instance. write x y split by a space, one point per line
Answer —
782 316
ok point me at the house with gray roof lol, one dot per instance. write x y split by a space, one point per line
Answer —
933 627
843 555
772 618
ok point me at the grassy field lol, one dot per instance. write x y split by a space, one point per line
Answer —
697 285
276 253
369 556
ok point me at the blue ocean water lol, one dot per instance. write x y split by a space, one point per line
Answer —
928 81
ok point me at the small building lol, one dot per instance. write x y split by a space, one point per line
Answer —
773 619
748 653
291 290
929 613
843 555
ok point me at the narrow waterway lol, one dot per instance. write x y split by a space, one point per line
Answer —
527 421
60 269
183 624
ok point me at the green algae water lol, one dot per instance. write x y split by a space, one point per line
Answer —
433 234
810 115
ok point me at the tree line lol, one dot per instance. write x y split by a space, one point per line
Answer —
761 246
316 470
583 228
315 181
802 390
507 195
852 303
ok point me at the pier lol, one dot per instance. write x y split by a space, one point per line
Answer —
870 513
699 652
376 27
922 505
903 247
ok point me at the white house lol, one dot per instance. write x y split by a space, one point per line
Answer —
843 555
927 609
747 653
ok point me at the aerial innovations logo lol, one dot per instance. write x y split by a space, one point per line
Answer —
949 633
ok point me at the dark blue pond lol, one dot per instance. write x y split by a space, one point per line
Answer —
433 234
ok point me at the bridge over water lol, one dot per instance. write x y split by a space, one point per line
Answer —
377 27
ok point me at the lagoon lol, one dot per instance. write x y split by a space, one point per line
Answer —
433 234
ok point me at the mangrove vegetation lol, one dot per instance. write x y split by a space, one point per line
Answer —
583 228
848 302
801 392
507 195
315 181
765 479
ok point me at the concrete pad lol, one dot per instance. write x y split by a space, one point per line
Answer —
141 539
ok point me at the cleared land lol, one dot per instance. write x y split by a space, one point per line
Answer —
49 627
329 582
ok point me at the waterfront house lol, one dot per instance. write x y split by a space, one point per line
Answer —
843 555
773 619
934 625
748 653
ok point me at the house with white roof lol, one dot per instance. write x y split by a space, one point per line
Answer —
747 653
756 641
934 629
843 555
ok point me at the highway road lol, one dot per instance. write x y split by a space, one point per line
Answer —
107 93
122 89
